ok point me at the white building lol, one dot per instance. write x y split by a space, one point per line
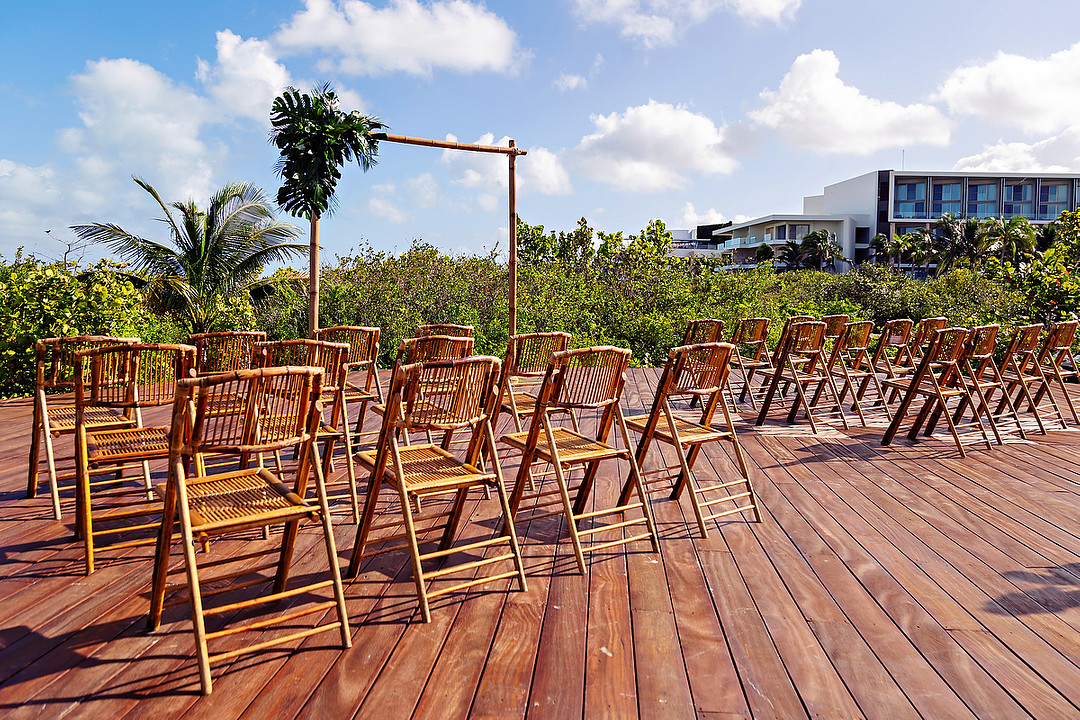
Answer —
892 201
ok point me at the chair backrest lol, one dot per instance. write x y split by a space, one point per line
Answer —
895 333
834 325
790 323
444 329
55 357
363 342
981 343
851 347
947 345
224 351
303 352
698 369
585 378
925 330
287 394
806 337
529 354
702 331
1021 352
1060 337
750 330
129 376
434 347
464 393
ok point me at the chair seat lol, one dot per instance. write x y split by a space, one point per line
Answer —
144 443
428 469
62 419
526 403
690 433
253 496
573 447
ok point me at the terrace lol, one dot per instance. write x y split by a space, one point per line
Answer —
883 582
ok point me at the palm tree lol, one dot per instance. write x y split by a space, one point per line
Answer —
792 254
764 254
920 245
1045 236
880 245
211 255
814 246
315 139
959 239
1013 239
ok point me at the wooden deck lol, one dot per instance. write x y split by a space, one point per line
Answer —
889 583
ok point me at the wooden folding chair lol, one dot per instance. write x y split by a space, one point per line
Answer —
122 378
54 361
800 361
527 358
698 370
363 357
702 331
444 329
1058 361
1021 371
467 402
227 351
982 377
578 379
750 337
850 362
892 354
253 497
834 326
331 357
937 379
922 334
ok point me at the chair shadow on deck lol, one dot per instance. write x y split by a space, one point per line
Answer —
1042 590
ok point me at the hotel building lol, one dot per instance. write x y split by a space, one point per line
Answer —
891 201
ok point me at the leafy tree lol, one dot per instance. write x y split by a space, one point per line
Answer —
1013 239
820 248
959 240
764 254
212 256
792 254
315 138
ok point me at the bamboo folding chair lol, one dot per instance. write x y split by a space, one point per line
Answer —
245 499
418 471
1058 361
444 329
702 331
700 371
982 377
227 351
527 358
54 361
937 379
363 345
834 326
922 334
750 337
331 357
123 378
590 378
850 362
800 361
1021 371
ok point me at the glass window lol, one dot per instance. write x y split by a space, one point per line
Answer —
1053 200
781 232
982 201
946 199
798 232
1018 201
910 199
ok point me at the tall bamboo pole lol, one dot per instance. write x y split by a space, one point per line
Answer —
313 278
513 241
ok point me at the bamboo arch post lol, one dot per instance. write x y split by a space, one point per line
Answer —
512 153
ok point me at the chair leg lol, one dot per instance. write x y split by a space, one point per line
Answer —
331 549
36 431
161 562
54 489
635 473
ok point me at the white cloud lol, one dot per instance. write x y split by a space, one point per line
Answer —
246 78
405 36
384 203
650 147
423 190
814 108
1056 154
540 171
692 217
1033 95
567 82
660 22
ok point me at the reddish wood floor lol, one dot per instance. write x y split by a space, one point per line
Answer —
889 583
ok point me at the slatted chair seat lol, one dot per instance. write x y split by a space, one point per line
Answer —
576 379
422 470
699 370
127 444
54 360
211 505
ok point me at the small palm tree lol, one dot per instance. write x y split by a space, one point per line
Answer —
959 240
211 255
764 254
316 138
792 254
1013 239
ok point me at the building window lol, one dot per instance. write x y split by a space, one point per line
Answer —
982 201
947 199
1053 200
1018 201
798 232
911 200
781 232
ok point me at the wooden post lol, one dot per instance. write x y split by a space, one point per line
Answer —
313 279
513 241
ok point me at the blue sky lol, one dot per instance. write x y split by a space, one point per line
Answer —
690 111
